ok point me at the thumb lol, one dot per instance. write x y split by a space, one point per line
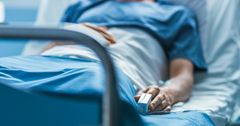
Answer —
137 97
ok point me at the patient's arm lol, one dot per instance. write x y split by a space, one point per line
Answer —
102 30
178 90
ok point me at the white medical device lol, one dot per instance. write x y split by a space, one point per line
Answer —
143 103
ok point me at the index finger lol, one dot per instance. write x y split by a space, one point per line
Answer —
138 95
154 90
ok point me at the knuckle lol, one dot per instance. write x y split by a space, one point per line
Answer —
166 103
154 86
168 100
150 92
159 98
169 103
154 103
164 96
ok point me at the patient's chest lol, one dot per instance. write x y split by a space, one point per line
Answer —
117 12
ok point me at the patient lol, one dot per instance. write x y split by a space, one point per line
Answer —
148 40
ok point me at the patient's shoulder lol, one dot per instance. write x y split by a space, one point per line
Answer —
75 10
181 10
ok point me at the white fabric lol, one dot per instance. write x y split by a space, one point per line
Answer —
2 12
140 56
49 15
136 53
215 92
50 12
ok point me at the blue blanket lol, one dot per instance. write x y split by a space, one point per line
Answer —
83 78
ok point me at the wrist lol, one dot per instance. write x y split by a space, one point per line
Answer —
169 94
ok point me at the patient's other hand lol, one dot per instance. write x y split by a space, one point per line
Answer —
103 32
161 98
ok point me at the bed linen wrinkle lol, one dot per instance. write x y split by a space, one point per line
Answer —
73 81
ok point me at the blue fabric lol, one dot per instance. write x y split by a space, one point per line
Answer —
174 26
84 78
61 75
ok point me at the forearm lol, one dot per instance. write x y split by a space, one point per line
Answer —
180 87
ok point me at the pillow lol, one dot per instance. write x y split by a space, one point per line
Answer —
49 14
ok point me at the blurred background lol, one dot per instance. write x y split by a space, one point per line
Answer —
17 11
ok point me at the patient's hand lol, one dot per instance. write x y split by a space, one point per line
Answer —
179 90
103 32
161 98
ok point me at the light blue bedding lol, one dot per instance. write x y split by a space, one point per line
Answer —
87 79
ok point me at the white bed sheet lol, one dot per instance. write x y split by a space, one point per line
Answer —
214 92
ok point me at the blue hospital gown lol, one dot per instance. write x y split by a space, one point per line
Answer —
174 26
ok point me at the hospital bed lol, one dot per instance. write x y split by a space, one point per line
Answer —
215 91
111 102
